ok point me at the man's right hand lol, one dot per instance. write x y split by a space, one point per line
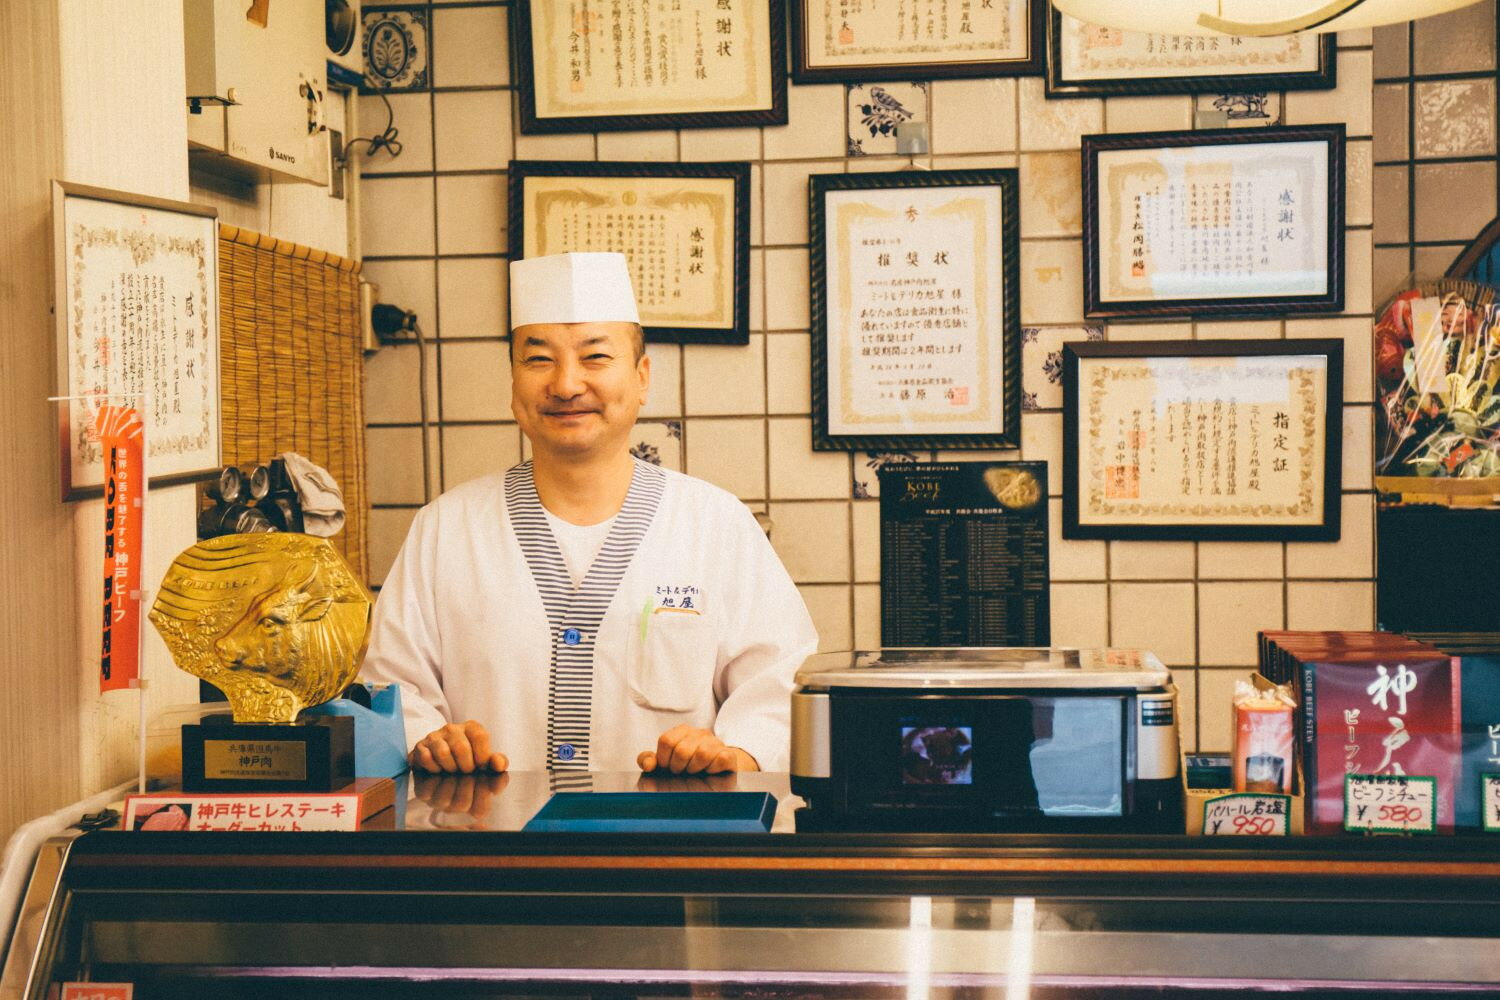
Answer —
457 747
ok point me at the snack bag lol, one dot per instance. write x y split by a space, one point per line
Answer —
1262 757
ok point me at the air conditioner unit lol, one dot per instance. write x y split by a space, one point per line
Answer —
256 79
343 36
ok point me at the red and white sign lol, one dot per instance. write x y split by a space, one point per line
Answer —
267 812
98 991
122 444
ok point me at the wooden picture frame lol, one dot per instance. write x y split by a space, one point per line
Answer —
1085 60
1012 42
137 311
1213 223
915 308
734 73
683 227
1223 440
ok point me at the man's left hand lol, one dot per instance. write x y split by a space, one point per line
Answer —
685 750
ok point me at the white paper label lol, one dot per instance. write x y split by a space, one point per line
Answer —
1489 801
1430 356
98 991
1247 815
1390 803
266 812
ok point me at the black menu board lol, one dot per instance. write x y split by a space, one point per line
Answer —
963 554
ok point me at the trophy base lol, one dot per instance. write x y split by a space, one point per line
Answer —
219 755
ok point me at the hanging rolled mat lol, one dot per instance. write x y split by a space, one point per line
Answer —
292 367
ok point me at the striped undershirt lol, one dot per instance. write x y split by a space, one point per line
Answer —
575 614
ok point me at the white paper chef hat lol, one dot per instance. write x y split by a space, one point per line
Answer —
571 288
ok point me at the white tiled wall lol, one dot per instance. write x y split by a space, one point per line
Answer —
435 230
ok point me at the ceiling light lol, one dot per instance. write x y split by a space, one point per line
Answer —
1251 17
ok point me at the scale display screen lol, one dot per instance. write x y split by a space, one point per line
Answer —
937 755
1022 754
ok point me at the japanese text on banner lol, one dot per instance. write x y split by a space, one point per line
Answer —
121 442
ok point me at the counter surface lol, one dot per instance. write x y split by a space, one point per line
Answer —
464 830
454 900
504 802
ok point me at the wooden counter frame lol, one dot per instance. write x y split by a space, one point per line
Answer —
1443 869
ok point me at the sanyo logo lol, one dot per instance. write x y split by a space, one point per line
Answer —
277 154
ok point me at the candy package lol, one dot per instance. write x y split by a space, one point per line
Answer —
1262 756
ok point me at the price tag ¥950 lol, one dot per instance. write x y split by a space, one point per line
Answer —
1390 803
1489 801
1246 814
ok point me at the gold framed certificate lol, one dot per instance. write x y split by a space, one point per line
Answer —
586 66
836 40
1089 60
684 229
915 310
137 312
1215 222
1223 440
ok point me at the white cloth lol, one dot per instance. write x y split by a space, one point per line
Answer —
579 543
461 627
572 288
318 495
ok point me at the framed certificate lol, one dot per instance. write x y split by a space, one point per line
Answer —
915 310
1087 60
684 228
638 66
1223 439
137 309
909 40
1214 223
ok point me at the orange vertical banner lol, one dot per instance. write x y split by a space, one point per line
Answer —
122 443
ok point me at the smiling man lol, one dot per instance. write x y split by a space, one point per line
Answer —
586 610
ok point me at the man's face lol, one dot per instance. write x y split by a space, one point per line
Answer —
577 387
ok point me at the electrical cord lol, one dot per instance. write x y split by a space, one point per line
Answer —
389 322
416 329
385 140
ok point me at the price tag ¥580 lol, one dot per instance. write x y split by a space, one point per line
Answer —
1246 814
1489 801
1390 803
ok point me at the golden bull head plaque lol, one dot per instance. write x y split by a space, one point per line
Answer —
276 621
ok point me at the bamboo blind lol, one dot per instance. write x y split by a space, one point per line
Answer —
292 367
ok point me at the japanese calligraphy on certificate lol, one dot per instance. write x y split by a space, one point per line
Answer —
915 313
1228 439
602 64
903 39
137 312
683 229
1179 224
1091 60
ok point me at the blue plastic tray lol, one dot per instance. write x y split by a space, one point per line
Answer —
655 812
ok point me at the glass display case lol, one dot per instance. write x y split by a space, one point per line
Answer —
429 909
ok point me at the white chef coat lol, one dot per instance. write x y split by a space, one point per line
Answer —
703 628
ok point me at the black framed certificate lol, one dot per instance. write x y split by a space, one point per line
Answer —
584 67
836 40
1090 60
916 329
1222 440
1218 222
684 229
963 554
